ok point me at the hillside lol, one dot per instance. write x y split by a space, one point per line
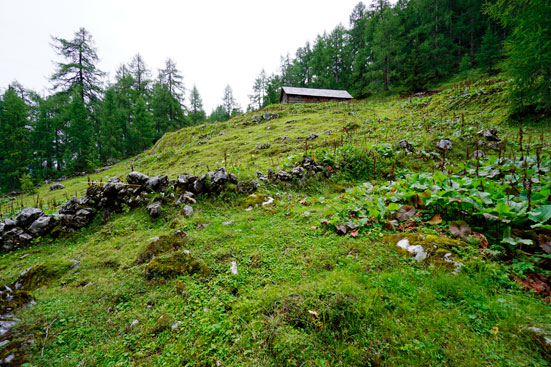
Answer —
405 243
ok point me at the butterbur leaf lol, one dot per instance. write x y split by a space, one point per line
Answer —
460 229
406 212
437 219
541 214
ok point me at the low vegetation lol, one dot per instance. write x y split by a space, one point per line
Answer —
315 278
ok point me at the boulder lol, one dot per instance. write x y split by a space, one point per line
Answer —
266 116
262 145
70 207
13 239
257 119
312 137
154 209
157 183
56 186
27 216
406 145
9 224
187 211
490 134
200 185
136 178
42 225
185 182
445 144
219 177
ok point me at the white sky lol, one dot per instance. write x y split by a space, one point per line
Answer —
214 43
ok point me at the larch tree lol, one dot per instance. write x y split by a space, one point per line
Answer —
196 112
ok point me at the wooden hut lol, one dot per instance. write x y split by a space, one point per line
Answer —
310 95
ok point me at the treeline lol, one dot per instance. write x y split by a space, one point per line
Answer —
415 45
84 123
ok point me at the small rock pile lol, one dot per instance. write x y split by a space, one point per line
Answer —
110 198
306 168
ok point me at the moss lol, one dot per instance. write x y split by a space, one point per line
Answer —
13 351
41 274
163 245
10 301
437 248
174 265
254 200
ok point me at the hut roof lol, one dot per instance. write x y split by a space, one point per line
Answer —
326 93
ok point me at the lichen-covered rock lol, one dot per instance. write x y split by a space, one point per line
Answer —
427 247
27 216
247 186
171 266
185 182
297 172
42 225
162 245
136 178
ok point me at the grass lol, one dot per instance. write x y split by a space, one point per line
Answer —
303 296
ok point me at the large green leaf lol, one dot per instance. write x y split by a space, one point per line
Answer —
540 215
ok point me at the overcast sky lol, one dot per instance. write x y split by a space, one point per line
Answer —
214 43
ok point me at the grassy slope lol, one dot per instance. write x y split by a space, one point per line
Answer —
302 297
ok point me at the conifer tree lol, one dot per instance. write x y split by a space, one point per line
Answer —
490 51
80 151
142 130
196 112
14 140
79 70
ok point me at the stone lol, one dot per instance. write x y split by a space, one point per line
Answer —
228 223
187 211
286 140
157 183
266 116
490 134
234 267
426 247
406 145
479 154
297 171
283 176
154 209
175 325
70 207
13 239
27 216
328 132
42 225
445 144
200 185
219 177
312 137
257 119
136 178
262 145
186 198
185 182
9 224
57 186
